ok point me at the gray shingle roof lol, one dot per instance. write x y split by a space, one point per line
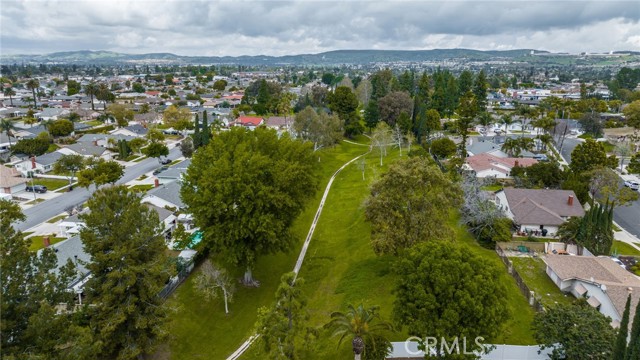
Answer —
87 149
547 207
48 159
72 249
169 192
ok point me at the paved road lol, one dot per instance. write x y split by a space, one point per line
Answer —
44 211
628 217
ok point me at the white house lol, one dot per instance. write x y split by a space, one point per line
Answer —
602 282
39 164
488 165
534 210
166 195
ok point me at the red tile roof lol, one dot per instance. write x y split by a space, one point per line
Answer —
486 161
249 121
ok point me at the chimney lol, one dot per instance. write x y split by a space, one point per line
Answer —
33 162
156 182
570 200
517 164
46 241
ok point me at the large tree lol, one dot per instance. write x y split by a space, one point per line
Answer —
467 110
620 348
99 172
122 113
62 127
393 104
633 349
322 130
7 127
409 204
590 155
632 114
177 118
29 286
70 165
575 332
245 189
446 291
344 103
128 267
32 147
33 85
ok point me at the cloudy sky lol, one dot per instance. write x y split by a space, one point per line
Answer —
188 27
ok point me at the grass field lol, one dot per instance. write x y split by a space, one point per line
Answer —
340 268
622 248
51 184
37 242
533 272
53 220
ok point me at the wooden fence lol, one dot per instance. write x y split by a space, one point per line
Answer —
524 289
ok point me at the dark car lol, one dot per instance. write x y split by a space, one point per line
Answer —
37 188
165 161
159 170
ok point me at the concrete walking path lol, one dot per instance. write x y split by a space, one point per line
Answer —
303 252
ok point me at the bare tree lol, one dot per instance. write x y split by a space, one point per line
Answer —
410 140
398 137
212 280
381 138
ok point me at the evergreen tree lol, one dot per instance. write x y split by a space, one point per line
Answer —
467 112
371 114
620 347
465 82
197 136
480 87
128 267
206 131
633 349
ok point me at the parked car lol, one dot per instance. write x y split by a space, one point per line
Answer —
37 188
165 161
159 170
540 157
633 185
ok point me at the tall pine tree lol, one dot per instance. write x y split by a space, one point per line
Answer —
197 135
633 350
206 132
620 347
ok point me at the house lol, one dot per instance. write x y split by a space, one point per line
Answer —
10 180
51 114
102 140
165 196
135 130
602 282
488 165
279 122
250 122
167 218
539 210
72 250
39 164
86 149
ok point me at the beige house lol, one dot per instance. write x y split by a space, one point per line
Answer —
601 281
10 180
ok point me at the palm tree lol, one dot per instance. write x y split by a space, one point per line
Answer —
360 323
9 92
91 89
33 84
485 119
506 120
7 127
545 139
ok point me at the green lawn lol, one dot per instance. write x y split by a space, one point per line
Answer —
52 148
622 248
340 268
37 242
142 188
533 272
94 123
495 187
55 219
51 184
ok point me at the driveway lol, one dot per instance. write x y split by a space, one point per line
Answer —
46 210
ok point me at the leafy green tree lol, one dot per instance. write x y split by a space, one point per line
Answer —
480 87
177 118
156 150
632 114
262 182
426 124
187 148
344 103
605 187
515 146
620 348
122 113
392 105
594 230
409 204
634 164
70 165
137 144
73 87
155 135
29 284
438 293
31 147
213 280
128 271
100 172
592 124
220 85
281 326
321 129
371 115
574 332
261 107
443 148
62 127
590 155
545 174
123 149
363 325
137 87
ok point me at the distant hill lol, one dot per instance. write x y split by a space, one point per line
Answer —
326 58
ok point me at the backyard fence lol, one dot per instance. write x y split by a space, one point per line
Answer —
175 281
524 289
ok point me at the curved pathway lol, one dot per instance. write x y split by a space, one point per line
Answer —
296 269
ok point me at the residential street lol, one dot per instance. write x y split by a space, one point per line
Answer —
44 211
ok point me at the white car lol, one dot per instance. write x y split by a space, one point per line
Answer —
632 185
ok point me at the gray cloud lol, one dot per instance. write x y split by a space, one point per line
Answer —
290 27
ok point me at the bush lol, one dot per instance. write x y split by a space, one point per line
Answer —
32 147
62 127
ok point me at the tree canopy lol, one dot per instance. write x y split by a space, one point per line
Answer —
409 204
446 291
245 189
589 155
